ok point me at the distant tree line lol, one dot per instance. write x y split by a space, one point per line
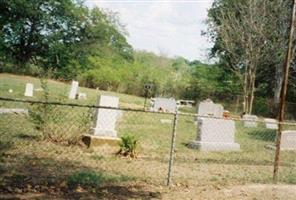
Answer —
71 41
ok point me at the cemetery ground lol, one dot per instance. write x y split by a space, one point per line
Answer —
34 168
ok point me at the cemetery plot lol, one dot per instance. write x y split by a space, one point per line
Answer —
51 149
56 150
252 163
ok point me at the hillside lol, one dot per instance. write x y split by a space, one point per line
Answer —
59 91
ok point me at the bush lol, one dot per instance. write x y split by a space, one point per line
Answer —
128 145
41 114
59 123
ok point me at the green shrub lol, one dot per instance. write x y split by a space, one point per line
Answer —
128 145
41 114
60 124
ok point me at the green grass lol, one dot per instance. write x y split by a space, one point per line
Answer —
59 91
93 179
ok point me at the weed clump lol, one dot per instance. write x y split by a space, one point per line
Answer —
128 145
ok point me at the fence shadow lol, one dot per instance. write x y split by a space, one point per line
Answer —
25 174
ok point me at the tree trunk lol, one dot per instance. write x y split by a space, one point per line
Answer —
252 91
245 105
278 84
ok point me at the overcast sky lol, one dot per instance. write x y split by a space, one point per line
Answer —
168 27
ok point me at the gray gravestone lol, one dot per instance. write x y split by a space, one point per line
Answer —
105 120
73 90
271 123
209 108
288 140
215 135
250 120
29 90
164 104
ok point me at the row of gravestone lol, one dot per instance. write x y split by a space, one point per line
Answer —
215 133
73 94
218 134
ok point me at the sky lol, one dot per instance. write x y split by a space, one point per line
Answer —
171 28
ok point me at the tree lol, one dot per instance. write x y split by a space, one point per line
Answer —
31 29
59 35
246 34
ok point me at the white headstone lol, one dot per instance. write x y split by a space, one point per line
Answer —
250 120
271 123
215 135
164 104
29 90
73 90
105 120
288 141
209 108
10 91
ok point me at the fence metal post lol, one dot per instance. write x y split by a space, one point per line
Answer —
277 153
172 151
286 67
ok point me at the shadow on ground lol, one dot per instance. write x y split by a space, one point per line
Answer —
32 177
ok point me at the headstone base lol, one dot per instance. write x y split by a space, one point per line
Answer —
214 146
104 133
106 144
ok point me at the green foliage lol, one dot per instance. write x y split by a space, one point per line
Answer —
41 114
58 35
262 107
47 117
128 145
211 81
93 179
89 44
246 35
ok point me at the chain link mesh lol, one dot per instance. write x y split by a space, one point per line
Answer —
42 150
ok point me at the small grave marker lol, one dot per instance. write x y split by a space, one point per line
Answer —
73 90
29 90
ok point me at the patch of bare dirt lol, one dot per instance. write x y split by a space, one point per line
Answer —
245 192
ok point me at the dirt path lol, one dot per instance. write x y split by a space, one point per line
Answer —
245 192
254 191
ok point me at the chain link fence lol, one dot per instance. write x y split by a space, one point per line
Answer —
42 150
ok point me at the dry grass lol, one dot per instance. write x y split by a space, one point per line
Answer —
32 166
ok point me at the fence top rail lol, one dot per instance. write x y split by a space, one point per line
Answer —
238 119
81 105
139 110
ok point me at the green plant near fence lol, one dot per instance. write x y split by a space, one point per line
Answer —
128 145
